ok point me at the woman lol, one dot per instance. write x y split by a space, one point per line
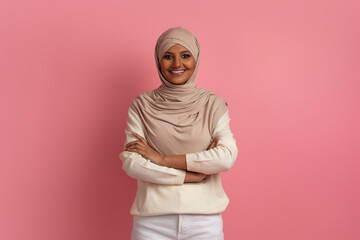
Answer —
178 141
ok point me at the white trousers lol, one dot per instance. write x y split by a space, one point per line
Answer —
178 227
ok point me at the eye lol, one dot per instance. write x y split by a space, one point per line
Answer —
167 56
186 55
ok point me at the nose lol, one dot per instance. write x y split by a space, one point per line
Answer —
177 62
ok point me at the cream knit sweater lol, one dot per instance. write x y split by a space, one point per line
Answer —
161 190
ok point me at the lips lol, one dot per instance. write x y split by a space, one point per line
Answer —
177 72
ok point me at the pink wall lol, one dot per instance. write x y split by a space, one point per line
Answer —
289 70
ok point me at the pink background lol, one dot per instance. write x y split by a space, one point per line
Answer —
289 70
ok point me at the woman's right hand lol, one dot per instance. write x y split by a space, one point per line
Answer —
196 176
214 143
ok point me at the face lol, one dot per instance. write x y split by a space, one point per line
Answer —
177 65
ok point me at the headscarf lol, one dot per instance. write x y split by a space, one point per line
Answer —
178 119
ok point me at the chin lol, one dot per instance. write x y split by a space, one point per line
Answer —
177 82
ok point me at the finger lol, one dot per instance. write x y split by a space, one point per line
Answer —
212 144
139 137
204 177
136 143
131 149
132 143
216 140
135 149
139 146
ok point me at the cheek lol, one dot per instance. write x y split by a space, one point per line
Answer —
191 64
163 67
190 69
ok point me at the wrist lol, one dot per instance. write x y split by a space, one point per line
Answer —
163 160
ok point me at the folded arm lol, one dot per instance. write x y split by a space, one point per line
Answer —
220 155
219 159
136 166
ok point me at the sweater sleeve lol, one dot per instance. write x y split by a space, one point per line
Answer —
142 169
218 159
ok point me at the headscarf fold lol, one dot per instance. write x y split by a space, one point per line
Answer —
178 119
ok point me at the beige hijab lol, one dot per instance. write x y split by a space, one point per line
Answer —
178 119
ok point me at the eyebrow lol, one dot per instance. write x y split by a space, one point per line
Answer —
180 52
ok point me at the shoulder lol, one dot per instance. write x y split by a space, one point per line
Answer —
216 100
139 97
140 100
216 108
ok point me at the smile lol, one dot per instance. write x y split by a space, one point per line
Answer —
179 72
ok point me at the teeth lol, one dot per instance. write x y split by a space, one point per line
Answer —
177 71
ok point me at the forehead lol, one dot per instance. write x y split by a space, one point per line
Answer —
177 48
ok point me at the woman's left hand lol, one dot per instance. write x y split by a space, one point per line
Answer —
141 147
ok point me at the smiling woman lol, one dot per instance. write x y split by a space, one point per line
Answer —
177 64
178 140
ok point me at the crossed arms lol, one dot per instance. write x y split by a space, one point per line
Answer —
140 161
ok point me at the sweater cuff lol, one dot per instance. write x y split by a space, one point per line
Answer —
180 179
190 158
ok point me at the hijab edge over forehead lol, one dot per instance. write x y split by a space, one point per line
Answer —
171 42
